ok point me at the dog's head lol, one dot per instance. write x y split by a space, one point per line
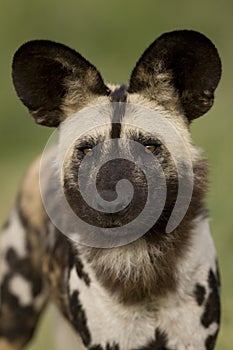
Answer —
124 132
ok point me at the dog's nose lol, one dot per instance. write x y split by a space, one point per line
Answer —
109 203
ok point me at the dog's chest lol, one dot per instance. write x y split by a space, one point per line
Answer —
108 322
169 322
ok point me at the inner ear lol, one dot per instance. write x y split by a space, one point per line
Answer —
51 78
189 61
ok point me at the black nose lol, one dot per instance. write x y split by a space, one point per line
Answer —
108 202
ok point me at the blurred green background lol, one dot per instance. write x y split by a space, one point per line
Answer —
112 35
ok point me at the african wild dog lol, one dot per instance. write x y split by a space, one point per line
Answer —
160 291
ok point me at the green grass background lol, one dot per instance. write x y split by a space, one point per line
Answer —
112 35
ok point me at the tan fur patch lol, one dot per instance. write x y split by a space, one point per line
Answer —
30 197
74 101
5 345
55 267
160 88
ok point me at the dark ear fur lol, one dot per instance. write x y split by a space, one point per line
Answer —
52 79
189 61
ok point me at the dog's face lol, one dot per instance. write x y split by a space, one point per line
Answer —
126 132
116 150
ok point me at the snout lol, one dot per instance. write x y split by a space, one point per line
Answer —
119 196
109 203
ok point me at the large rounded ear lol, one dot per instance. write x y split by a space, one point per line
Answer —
183 64
53 80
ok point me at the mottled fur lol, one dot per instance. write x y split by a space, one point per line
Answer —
158 292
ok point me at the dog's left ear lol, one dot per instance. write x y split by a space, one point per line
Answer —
53 81
188 63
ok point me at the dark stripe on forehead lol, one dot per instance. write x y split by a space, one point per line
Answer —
119 94
118 97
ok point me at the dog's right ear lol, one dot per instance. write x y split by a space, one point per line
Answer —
183 62
53 80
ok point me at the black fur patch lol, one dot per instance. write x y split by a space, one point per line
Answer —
96 347
23 267
79 320
210 341
212 307
114 346
159 343
116 130
80 270
74 260
218 274
199 293
17 322
118 95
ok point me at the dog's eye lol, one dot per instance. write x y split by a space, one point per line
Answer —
150 148
88 151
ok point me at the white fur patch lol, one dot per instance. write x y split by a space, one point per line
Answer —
74 281
21 288
12 237
199 258
96 119
109 321
180 315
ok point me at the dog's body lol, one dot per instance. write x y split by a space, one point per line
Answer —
160 291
